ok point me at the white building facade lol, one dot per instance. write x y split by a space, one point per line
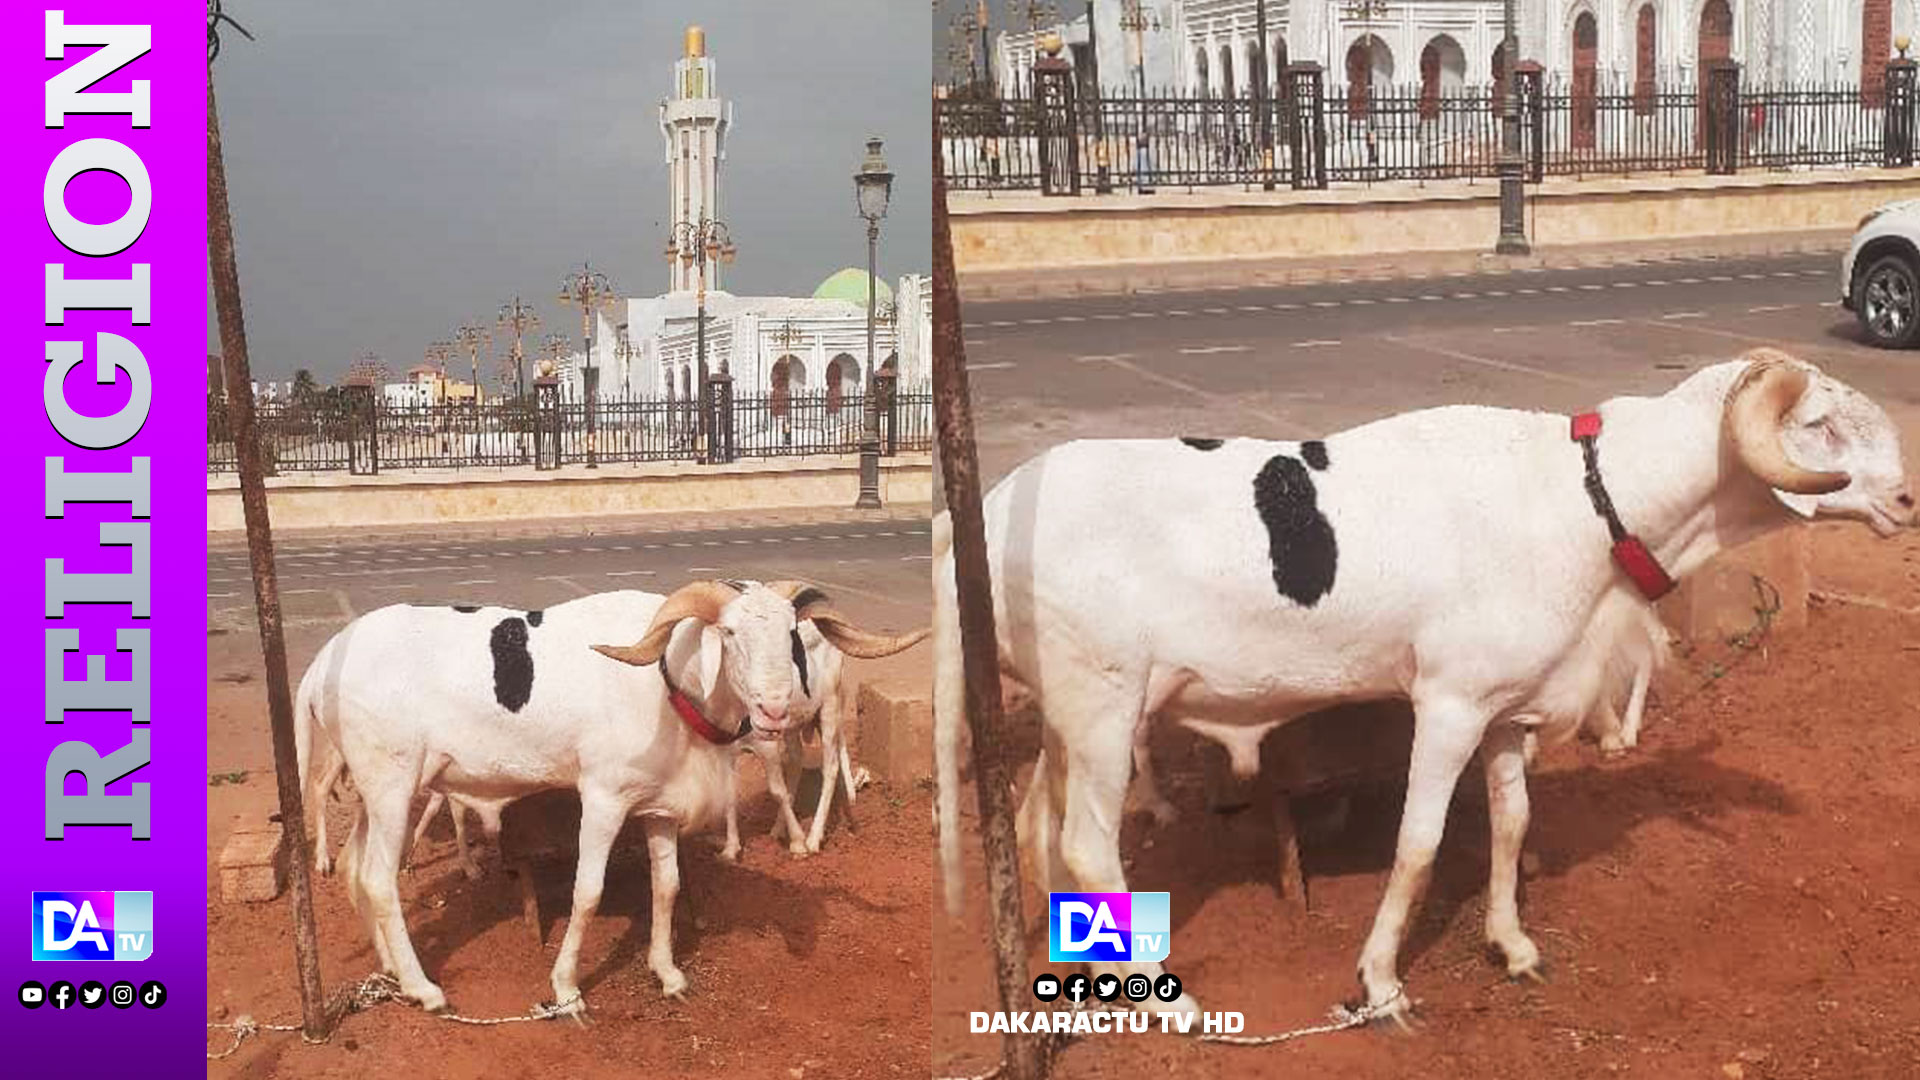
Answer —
1211 46
649 346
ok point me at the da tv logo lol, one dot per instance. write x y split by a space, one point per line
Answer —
1105 927
92 925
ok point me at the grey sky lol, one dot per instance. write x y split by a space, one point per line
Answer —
398 168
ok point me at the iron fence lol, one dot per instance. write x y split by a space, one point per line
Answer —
369 435
1320 134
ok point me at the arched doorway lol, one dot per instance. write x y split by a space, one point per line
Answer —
1443 69
788 376
1646 57
843 379
1200 71
1716 35
1227 85
1369 64
1499 61
1876 43
1586 78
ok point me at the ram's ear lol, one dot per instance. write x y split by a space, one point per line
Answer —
712 646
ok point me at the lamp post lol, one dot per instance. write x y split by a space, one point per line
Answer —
591 290
518 317
471 335
1513 225
1262 81
872 186
705 242
1366 11
1138 19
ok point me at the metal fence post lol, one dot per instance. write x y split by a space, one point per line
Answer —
720 421
1527 78
885 381
1056 127
546 422
1897 118
363 431
1307 125
1723 118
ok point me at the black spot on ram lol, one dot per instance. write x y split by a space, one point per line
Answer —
800 660
1315 455
1299 538
534 617
466 609
512 664
1202 444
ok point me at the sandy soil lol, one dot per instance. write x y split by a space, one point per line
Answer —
1734 899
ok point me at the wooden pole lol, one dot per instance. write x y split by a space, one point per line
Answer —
266 589
1025 1053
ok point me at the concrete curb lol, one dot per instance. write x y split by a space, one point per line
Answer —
1199 275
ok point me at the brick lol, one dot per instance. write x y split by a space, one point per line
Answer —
893 731
1718 601
253 865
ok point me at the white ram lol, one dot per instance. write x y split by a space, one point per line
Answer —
491 704
1451 556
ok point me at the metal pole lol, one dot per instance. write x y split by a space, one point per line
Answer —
1261 97
266 589
1025 1052
700 355
1513 222
870 428
589 377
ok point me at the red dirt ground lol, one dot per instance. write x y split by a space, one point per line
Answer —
1734 899
799 968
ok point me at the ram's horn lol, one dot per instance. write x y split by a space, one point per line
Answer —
810 603
1766 392
695 600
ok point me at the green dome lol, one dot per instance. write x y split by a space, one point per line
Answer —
851 285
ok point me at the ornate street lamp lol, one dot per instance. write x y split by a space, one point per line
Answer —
872 187
1513 225
471 336
590 290
705 242
520 318
1139 19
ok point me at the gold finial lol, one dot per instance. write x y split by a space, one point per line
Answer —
1901 43
1050 44
696 42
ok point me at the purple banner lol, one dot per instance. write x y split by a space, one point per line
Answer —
105 279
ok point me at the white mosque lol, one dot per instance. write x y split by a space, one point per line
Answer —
1210 46
647 346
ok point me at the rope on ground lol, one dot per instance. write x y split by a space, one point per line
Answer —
365 994
1343 1018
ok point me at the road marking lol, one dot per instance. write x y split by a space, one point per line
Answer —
1070 318
916 558
385 588
1720 277
1286 307
1142 314
1252 307
1687 281
568 582
1217 311
1102 358
1558 288
1108 317
1829 303
1485 361
1035 322
1326 303
1591 287
1209 350
1430 296
1316 343
1626 284
1656 283
1177 312
997 365
1596 322
1684 315
629 573
473 581
1753 277
622 547
1528 291
1495 292
1399 299
220 595
1768 307
1466 296
1003 322
1360 301
1283 425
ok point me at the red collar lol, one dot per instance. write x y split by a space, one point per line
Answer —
696 719
1629 553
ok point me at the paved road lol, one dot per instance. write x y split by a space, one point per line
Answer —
1301 361
879 566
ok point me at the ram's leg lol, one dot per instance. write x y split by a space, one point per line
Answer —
387 817
351 860
435 800
730 851
1504 755
317 799
784 821
1636 705
830 751
1144 786
1445 734
663 851
468 864
601 816
1097 773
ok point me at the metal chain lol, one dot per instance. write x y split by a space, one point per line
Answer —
363 995
1344 1018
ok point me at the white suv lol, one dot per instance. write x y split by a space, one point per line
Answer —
1880 275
